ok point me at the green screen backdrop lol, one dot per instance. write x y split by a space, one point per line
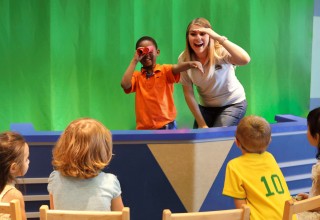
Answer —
64 59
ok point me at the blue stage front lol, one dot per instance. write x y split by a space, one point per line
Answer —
181 170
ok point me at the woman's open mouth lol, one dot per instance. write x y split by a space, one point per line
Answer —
198 44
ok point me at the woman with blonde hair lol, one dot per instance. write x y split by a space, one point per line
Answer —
222 97
83 150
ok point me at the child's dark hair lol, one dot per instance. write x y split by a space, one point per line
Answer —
11 151
313 120
146 38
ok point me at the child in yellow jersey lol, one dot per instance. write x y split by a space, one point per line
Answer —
255 178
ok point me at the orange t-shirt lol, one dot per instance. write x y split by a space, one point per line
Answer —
154 97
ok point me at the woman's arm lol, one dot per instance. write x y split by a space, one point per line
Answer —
193 106
238 56
117 204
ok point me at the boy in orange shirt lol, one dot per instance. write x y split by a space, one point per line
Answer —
153 86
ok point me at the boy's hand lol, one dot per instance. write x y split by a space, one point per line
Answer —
137 57
198 65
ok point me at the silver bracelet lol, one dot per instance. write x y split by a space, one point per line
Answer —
222 39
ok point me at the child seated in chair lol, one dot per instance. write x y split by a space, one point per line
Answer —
14 162
313 135
254 178
83 150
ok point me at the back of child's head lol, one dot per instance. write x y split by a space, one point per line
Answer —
254 134
12 147
147 38
313 120
83 149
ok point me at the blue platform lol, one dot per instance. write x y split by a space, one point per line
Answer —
182 170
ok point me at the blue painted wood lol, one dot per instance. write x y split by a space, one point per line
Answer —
146 190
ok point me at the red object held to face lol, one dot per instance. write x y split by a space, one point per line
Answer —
144 50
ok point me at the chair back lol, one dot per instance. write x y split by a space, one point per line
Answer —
11 208
292 207
46 214
231 214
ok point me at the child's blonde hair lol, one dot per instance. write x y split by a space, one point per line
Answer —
254 134
83 149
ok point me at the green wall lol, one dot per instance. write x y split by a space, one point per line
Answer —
64 59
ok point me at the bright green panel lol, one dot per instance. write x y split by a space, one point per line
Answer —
64 59
70 60
281 58
25 77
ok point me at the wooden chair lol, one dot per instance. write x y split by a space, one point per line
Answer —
292 207
12 208
232 214
46 214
